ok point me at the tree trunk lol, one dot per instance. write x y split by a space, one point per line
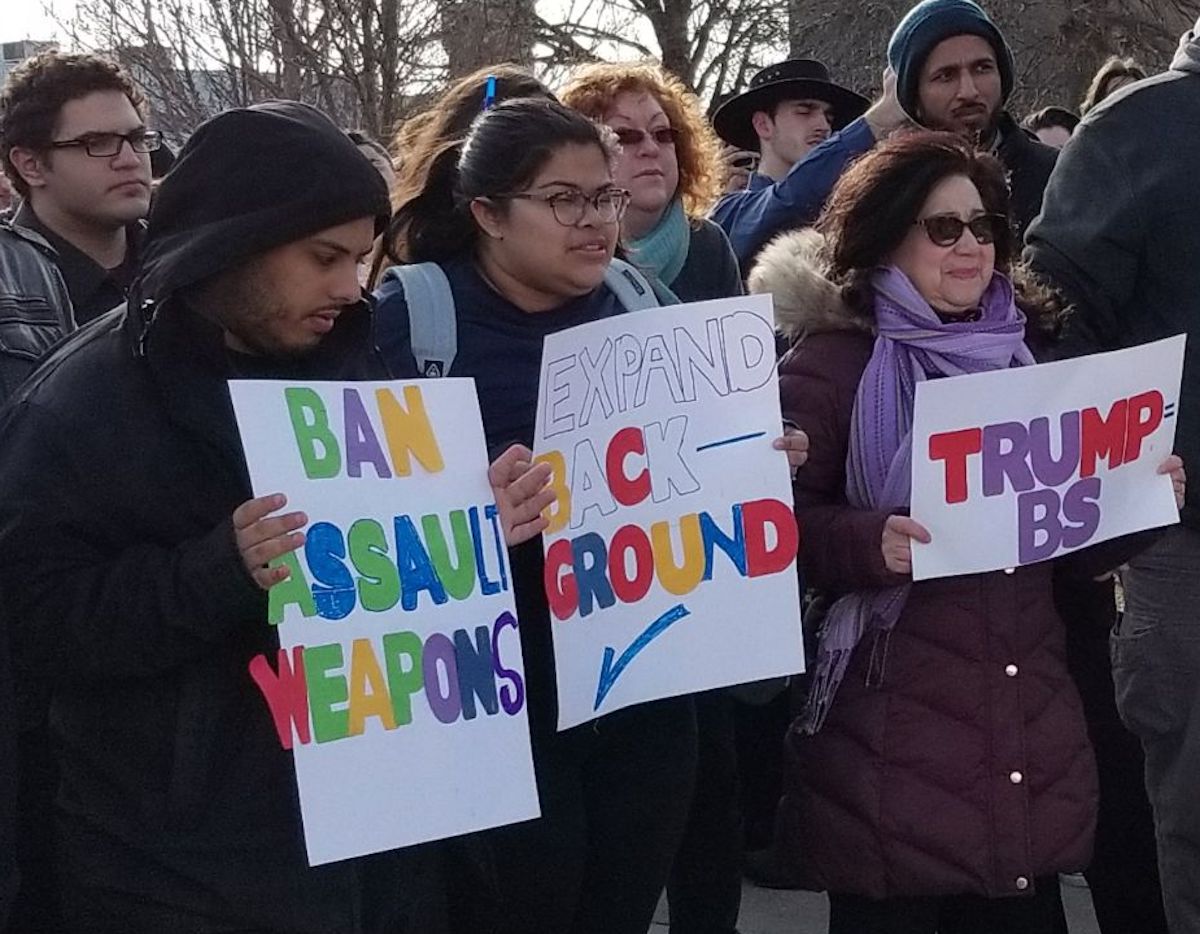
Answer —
476 33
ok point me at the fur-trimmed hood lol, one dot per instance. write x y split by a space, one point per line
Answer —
793 270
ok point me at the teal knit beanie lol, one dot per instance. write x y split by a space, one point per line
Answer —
927 24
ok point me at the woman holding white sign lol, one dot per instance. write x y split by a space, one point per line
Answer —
521 220
941 777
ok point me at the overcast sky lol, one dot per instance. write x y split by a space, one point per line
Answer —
29 19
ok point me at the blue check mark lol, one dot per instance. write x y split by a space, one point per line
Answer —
609 672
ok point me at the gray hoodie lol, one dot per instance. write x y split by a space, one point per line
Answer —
1118 235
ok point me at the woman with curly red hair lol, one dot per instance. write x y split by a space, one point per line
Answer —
670 164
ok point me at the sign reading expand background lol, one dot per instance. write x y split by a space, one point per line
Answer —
1016 466
399 685
671 554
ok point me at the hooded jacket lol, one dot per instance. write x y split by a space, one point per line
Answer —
967 770
1118 235
125 594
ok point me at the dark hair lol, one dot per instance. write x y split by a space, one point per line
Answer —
504 150
36 91
421 138
1051 116
1114 69
877 200
451 113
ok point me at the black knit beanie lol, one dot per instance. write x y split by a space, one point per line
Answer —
249 180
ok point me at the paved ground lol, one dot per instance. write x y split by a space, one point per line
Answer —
766 911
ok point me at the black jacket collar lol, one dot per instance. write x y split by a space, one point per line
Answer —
93 289
188 360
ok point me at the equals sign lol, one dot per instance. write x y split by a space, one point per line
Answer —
1169 410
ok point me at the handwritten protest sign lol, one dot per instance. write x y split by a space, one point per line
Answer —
1017 466
399 685
671 555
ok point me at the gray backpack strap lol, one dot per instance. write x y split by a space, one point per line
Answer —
632 289
432 320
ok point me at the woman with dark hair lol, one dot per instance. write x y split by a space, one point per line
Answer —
940 777
522 220
445 122
1114 74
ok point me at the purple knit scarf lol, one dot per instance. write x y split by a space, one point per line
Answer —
912 345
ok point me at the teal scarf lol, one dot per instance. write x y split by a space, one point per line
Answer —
665 248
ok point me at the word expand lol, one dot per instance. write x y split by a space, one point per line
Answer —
737 355
1020 456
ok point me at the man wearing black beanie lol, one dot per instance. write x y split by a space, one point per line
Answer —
132 551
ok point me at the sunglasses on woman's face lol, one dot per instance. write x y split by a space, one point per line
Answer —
631 136
947 229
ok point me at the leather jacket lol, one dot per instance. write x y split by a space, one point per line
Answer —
35 307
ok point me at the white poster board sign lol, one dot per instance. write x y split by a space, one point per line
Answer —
671 555
399 686
1016 466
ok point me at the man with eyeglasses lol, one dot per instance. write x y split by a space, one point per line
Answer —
75 147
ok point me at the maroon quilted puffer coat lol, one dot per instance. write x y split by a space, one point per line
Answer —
968 769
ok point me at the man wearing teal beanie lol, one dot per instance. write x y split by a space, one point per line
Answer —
959 22
954 71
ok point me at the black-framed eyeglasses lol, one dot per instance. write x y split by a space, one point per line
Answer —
947 229
103 145
570 207
631 136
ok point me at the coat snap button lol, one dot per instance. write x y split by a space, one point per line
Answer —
1016 777
1011 670
1022 883
1010 570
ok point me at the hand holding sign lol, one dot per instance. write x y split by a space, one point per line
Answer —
1173 465
262 537
898 535
521 490
795 443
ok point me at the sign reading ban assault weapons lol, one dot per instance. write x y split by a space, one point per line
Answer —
398 685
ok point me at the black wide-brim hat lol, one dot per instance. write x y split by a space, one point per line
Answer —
795 79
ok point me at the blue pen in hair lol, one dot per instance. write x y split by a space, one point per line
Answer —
489 93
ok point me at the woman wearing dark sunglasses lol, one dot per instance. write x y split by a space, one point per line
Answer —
669 162
940 777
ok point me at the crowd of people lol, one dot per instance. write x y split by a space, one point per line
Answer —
959 744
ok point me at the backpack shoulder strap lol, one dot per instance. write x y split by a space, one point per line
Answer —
432 319
632 289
